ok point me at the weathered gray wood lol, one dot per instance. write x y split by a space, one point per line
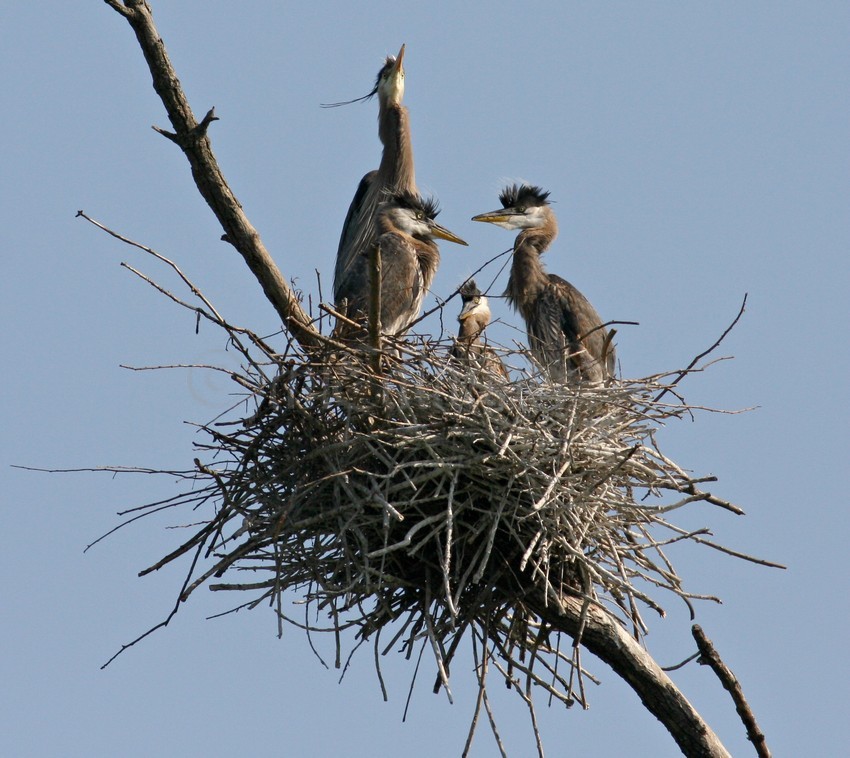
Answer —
608 641
192 139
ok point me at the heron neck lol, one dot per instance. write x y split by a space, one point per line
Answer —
428 257
397 159
470 330
528 277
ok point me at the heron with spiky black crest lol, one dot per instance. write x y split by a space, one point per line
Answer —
406 228
394 174
565 333
473 319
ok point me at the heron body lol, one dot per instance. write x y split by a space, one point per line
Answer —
473 319
394 174
406 228
565 333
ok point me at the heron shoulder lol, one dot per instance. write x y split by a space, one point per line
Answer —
356 230
572 297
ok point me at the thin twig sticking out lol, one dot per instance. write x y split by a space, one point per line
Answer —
375 326
684 372
710 657
208 311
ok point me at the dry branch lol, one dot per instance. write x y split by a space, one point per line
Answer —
709 656
191 137
606 639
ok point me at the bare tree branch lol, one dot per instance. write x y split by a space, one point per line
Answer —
116 5
607 640
193 141
710 657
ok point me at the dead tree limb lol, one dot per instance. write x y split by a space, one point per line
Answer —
710 657
191 137
599 633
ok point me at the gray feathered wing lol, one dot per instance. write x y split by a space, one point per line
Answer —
566 336
358 234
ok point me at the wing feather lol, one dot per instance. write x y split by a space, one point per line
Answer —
566 334
358 233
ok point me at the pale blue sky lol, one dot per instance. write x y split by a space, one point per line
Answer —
695 151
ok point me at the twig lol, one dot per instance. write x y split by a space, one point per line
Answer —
168 618
736 554
685 662
684 372
375 305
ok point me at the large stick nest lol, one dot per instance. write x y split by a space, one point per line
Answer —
425 496
442 497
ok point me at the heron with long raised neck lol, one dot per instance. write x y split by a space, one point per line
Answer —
566 336
394 174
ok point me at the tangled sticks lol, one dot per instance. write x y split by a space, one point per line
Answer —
450 501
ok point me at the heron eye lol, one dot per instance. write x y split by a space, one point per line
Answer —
420 215
521 208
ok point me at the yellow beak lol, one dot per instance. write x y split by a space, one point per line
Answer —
445 234
493 217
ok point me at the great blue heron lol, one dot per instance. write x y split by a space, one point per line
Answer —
565 333
395 174
473 319
409 258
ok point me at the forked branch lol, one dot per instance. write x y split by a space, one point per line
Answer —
192 138
602 636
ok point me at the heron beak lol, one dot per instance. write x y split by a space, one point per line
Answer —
396 79
399 62
467 310
445 234
477 307
496 217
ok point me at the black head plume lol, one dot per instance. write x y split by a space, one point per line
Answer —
428 205
385 69
469 290
523 194
388 64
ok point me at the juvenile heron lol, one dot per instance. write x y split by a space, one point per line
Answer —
473 319
565 333
395 174
406 231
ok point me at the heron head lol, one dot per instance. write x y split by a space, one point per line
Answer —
389 85
523 207
416 216
390 82
475 304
